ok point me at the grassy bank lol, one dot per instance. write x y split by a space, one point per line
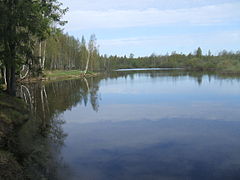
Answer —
63 74
13 114
60 75
25 148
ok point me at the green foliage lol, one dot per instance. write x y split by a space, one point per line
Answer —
64 52
22 23
199 52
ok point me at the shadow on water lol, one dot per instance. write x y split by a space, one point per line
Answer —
41 139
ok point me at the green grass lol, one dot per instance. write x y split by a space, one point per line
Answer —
67 74
62 73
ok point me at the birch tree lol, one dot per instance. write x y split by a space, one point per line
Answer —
92 47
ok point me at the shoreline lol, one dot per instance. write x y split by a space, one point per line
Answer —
59 75
14 114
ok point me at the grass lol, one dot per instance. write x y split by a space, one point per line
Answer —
67 74
61 73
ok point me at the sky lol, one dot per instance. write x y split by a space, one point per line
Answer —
143 27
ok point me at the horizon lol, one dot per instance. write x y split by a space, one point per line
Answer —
144 27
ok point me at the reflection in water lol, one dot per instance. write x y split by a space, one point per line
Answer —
40 150
47 100
148 125
41 138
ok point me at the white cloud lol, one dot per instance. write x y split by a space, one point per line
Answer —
136 112
223 37
215 41
206 15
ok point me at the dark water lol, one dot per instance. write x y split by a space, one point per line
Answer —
145 125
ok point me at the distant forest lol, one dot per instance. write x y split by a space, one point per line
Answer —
67 53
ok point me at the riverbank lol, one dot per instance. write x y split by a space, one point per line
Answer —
61 75
13 114
68 74
24 142
220 68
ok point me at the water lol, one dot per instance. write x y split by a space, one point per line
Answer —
149 69
168 124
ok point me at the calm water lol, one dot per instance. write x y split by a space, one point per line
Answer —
152 125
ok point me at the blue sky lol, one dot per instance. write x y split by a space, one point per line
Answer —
143 27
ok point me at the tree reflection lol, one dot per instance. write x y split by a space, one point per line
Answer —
48 99
40 150
173 75
40 140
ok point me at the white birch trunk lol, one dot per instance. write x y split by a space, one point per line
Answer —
5 76
40 53
88 59
25 75
44 55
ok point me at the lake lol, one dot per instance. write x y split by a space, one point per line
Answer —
158 124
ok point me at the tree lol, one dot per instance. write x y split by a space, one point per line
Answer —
209 53
22 23
92 50
131 56
199 52
83 52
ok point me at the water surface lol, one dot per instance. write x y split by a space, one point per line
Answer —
158 124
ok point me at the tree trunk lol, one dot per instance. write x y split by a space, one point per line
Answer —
5 76
39 65
40 52
26 74
88 59
13 79
8 75
10 50
2 75
11 70
44 55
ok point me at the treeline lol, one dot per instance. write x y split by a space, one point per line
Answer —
64 52
225 61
